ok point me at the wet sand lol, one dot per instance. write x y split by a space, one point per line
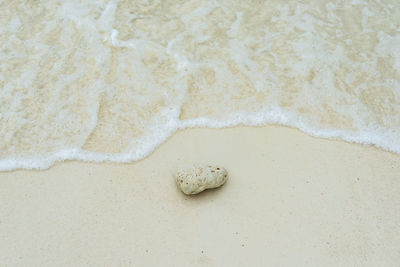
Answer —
291 199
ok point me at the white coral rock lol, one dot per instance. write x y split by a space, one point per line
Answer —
197 179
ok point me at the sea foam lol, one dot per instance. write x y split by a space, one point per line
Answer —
111 80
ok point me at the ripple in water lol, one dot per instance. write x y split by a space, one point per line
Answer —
111 80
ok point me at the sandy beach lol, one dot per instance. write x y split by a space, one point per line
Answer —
291 200
110 80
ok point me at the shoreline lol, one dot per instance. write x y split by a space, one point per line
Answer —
104 158
290 199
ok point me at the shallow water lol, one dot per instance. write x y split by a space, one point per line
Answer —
111 80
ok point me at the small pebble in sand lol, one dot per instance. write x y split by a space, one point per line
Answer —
197 179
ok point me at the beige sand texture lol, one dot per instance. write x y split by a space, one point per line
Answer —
291 200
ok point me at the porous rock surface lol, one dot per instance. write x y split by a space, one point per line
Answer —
199 178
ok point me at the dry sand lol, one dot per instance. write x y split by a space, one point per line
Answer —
291 200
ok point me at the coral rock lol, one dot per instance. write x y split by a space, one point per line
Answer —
197 179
